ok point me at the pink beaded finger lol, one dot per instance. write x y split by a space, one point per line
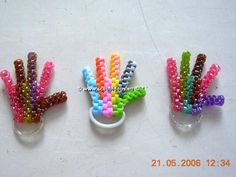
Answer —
45 79
174 81
11 90
107 109
209 77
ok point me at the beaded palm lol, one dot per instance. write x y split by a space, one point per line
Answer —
110 94
189 91
27 97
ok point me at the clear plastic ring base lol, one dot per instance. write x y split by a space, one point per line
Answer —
106 125
185 121
25 129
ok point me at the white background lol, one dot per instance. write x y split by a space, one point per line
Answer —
72 34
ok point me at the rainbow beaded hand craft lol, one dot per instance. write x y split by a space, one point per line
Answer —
109 94
27 97
189 91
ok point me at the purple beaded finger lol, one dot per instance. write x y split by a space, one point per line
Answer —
32 79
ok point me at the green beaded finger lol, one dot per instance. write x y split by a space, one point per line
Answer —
184 73
127 98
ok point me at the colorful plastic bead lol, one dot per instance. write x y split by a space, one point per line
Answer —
91 85
48 70
126 77
197 72
209 77
184 73
174 83
13 97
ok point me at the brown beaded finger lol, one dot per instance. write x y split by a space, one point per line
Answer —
198 66
20 71
197 72
22 89
56 98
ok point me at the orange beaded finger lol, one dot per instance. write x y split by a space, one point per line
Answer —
101 73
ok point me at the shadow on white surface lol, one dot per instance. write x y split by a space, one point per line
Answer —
56 112
213 114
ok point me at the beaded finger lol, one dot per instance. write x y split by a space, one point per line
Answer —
13 97
27 98
197 72
126 77
92 88
174 84
114 75
104 83
188 93
209 77
48 70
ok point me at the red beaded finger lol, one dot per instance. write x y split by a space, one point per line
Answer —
209 77
13 98
45 79
174 83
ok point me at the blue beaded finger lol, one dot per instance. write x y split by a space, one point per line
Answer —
92 86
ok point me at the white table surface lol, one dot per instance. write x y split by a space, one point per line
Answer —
72 34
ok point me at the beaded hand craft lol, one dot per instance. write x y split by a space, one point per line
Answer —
27 97
109 94
189 91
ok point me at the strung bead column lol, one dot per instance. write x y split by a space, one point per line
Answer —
174 85
197 72
13 97
209 77
32 80
104 84
114 75
91 85
126 77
